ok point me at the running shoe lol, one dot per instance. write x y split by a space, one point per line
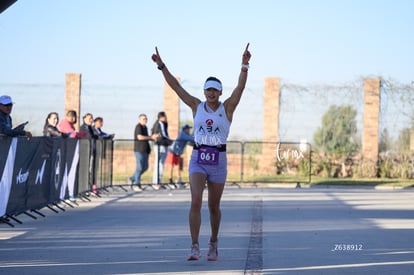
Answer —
195 253
156 186
212 251
137 188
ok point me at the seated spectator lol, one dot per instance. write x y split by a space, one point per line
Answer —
50 128
97 128
6 106
67 125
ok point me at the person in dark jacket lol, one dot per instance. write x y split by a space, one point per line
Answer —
161 144
97 129
6 106
87 127
50 128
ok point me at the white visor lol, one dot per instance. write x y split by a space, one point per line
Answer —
213 84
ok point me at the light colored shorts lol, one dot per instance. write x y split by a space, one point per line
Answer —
215 173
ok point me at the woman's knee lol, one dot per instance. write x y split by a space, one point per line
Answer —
196 204
214 207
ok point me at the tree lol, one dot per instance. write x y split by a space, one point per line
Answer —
338 131
385 142
403 141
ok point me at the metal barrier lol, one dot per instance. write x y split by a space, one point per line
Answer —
103 163
247 162
95 164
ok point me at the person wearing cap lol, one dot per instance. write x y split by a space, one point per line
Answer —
6 106
208 163
174 154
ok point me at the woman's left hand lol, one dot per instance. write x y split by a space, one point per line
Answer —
246 55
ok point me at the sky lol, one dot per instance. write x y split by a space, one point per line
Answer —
301 41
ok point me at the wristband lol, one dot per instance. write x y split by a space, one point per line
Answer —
161 67
246 66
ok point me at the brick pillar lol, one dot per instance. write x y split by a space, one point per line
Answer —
172 109
73 93
371 120
270 124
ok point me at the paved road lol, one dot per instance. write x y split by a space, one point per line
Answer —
264 231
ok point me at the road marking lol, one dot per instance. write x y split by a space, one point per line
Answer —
254 261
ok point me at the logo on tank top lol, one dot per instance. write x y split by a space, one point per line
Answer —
210 129
208 133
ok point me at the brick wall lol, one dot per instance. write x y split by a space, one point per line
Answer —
370 139
73 94
172 109
270 124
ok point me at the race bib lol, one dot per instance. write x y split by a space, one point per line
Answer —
208 156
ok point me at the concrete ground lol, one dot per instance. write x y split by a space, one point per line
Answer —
264 231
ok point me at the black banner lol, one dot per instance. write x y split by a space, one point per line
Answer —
57 169
70 161
7 155
31 174
4 149
44 170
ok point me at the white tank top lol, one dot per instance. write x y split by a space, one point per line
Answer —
211 128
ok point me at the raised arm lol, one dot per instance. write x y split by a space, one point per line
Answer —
231 103
188 99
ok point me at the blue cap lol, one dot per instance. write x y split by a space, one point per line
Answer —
5 100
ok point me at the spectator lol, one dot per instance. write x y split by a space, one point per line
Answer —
87 127
6 106
97 129
142 150
174 155
67 125
50 128
161 144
